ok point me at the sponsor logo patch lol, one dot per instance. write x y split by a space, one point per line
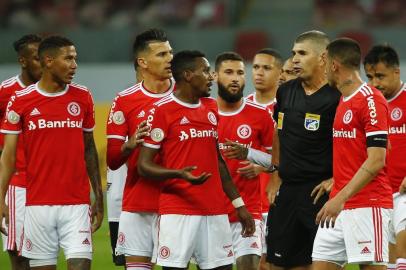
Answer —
312 121
157 134
280 120
118 118
13 117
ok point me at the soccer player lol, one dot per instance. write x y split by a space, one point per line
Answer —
115 188
56 119
193 220
27 50
287 73
243 121
381 66
302 148
266 73
354 222
130 108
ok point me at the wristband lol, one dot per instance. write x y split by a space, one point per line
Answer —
237 203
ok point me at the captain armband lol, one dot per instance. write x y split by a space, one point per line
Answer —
378 140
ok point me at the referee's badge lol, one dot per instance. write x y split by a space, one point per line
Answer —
280 120
312 121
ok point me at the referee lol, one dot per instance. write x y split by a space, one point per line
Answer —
304 113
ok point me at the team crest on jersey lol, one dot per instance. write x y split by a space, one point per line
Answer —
312 121
118 118
121 238
164 252
73 109
28 245
396 114
280 120
212 118
13 117
244 131
157 134
347 117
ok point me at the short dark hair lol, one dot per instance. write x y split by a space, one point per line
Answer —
53 43
347 51
20 44
317 37
184 60
382 53
142 41
272 52
233 56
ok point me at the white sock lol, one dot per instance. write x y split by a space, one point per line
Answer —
138 266
401 264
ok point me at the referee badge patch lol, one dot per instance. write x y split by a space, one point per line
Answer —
312 121
280 120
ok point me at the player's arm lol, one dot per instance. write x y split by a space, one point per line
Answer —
118 150
7 168
229 188
92 165
368 170
275 182
149 169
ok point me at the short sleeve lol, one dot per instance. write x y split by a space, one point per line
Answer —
89 117
12 123
117 123
267 130
374 115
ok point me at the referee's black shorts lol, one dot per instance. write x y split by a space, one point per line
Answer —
291 225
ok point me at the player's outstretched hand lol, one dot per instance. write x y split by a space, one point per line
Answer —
235 150
246 220
321 189
3 214
328 214
402 188
186 173
97 215
250 170
138 137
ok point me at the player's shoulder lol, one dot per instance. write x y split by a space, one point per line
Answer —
79 88
130 91
165 101
368 92
26 92
254 106
250 97
10 82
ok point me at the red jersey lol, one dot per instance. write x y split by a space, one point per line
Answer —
186 135
255 132
52 126
363 114
129 109
397 137
7 89
264 177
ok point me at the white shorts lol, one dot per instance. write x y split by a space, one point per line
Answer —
207 238
398 217
136 234
264 232
48 227
15 199
359 236
115 187
247 245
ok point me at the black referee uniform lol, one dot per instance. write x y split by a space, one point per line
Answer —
305 124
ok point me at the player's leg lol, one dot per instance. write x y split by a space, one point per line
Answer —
118 260
263 264
177 239
75 236
214 246
135 239
40 241
366 232
399 222
329 248
248 250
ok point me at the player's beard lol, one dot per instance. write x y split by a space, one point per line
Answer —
227 96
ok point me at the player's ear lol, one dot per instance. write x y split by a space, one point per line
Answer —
142 62
22 61
323 58
215 76
48 60
187 75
